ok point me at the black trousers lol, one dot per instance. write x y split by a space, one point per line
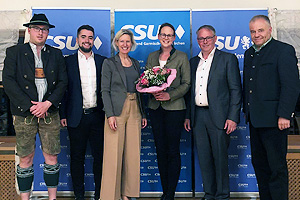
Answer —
269 149
212 147
167 127
90 129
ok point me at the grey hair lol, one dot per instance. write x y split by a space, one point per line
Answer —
264 17
123 32
209 27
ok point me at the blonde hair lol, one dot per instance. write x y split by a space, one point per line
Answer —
123 32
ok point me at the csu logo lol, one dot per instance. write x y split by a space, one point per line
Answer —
62 42
142 31
226 42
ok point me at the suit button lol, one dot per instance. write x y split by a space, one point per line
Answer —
253 66
251 79
250 91
25 76
53 83
26 87
19 107
21 110
248 104
52 71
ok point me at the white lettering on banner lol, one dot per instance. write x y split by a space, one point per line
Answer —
144 31
145 174
152 167
241 128
60 184
235 156
141 154
241 146
68 174
224 42
182 154
142 167
182 140
152 181
157 174
182 181
145 147
251 176
244 185
151 154
88 175
63 146
150 140
247 137
88 156
142 181
146 133
248 156
234 137
234 175
145 161
66 42
62 165
41 165
183 167
242 166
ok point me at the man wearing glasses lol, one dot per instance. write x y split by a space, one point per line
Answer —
214 112
35 80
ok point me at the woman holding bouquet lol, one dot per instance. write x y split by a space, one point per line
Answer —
124 119
167 109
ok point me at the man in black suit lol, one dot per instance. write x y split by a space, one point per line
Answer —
35 80
271 89
214 112
81 110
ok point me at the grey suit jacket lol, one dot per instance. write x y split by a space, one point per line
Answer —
114 86
224 90
180 86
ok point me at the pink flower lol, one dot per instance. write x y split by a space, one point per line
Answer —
144 81
155 70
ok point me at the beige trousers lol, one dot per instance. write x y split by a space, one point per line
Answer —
121 158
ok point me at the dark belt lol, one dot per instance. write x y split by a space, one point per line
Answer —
87 111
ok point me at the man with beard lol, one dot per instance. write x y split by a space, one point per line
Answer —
35 80
81 110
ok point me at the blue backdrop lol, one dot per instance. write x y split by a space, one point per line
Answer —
145 26
233 35
63 36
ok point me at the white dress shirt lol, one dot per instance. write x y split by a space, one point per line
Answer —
202 74
87 69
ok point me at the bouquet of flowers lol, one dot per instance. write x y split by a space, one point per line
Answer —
155 79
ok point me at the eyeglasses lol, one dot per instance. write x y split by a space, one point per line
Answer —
38 29
208 39
166 35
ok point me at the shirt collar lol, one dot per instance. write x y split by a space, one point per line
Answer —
81 55
211 54
258 49
172 51
33 47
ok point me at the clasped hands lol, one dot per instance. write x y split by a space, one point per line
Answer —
39 109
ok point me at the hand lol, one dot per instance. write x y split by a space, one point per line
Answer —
112 122
162 96
283 123
39 109
144 122
63 122
187 125
230 126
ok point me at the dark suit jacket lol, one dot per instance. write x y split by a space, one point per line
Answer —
114 86
224 90
72 104
19 77
271 84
